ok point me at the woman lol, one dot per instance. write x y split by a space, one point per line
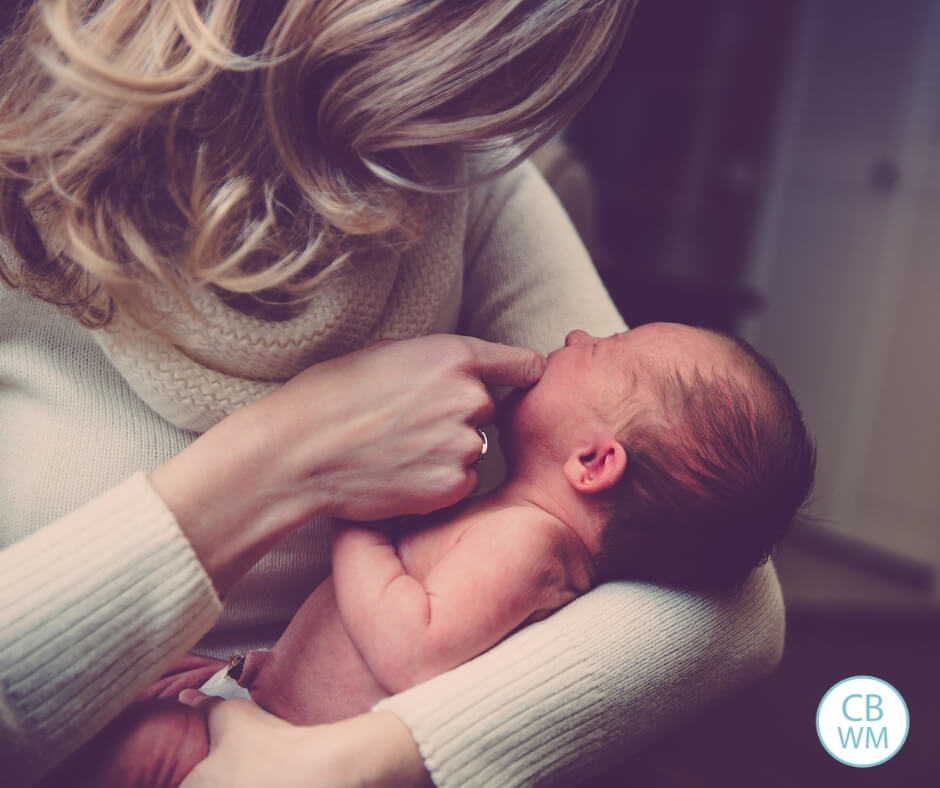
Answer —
226 196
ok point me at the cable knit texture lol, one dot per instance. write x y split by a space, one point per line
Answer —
100 591
227 359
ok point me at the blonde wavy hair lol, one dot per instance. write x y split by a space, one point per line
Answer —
253 146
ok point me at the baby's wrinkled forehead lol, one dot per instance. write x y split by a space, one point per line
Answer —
638 386
688 348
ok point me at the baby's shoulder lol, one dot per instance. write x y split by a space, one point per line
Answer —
554 561
535 537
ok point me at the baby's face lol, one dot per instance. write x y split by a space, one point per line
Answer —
590 382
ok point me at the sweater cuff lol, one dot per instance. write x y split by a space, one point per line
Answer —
505 717
92 608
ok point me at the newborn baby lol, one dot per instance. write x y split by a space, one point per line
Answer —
666 453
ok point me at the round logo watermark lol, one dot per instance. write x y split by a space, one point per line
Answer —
862 721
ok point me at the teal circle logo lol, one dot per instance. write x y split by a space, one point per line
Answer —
862 721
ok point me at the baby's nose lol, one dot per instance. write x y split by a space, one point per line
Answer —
576 337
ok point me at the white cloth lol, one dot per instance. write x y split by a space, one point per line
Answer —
220 685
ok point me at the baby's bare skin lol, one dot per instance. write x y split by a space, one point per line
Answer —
399 610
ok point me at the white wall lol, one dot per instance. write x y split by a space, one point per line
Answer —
852 271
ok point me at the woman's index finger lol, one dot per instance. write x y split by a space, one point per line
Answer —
505 365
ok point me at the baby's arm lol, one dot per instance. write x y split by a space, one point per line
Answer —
488 584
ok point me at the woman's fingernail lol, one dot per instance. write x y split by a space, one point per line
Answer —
536 368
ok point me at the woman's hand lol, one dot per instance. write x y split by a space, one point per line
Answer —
385 431
249 748
400 433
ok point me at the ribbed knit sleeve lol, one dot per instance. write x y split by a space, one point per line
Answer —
621 666
92 608
594 683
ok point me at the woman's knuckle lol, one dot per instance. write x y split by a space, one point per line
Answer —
452 480
460 354
483 400
474 399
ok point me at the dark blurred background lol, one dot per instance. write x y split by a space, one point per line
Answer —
678 141
771 167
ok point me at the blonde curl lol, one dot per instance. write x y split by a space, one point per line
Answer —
255 146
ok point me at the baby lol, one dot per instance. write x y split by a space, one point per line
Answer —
667 453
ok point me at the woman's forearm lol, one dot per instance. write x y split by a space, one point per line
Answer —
226 491
93 607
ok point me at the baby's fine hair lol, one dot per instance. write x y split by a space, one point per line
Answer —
713 480
255 145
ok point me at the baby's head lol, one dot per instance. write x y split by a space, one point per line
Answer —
688 441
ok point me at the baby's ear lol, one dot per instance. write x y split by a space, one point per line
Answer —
596 466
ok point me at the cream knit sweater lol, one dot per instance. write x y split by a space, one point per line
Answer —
100 591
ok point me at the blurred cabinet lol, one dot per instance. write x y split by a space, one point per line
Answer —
678 139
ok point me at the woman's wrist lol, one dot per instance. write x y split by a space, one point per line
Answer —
250 747
228 492
375 750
